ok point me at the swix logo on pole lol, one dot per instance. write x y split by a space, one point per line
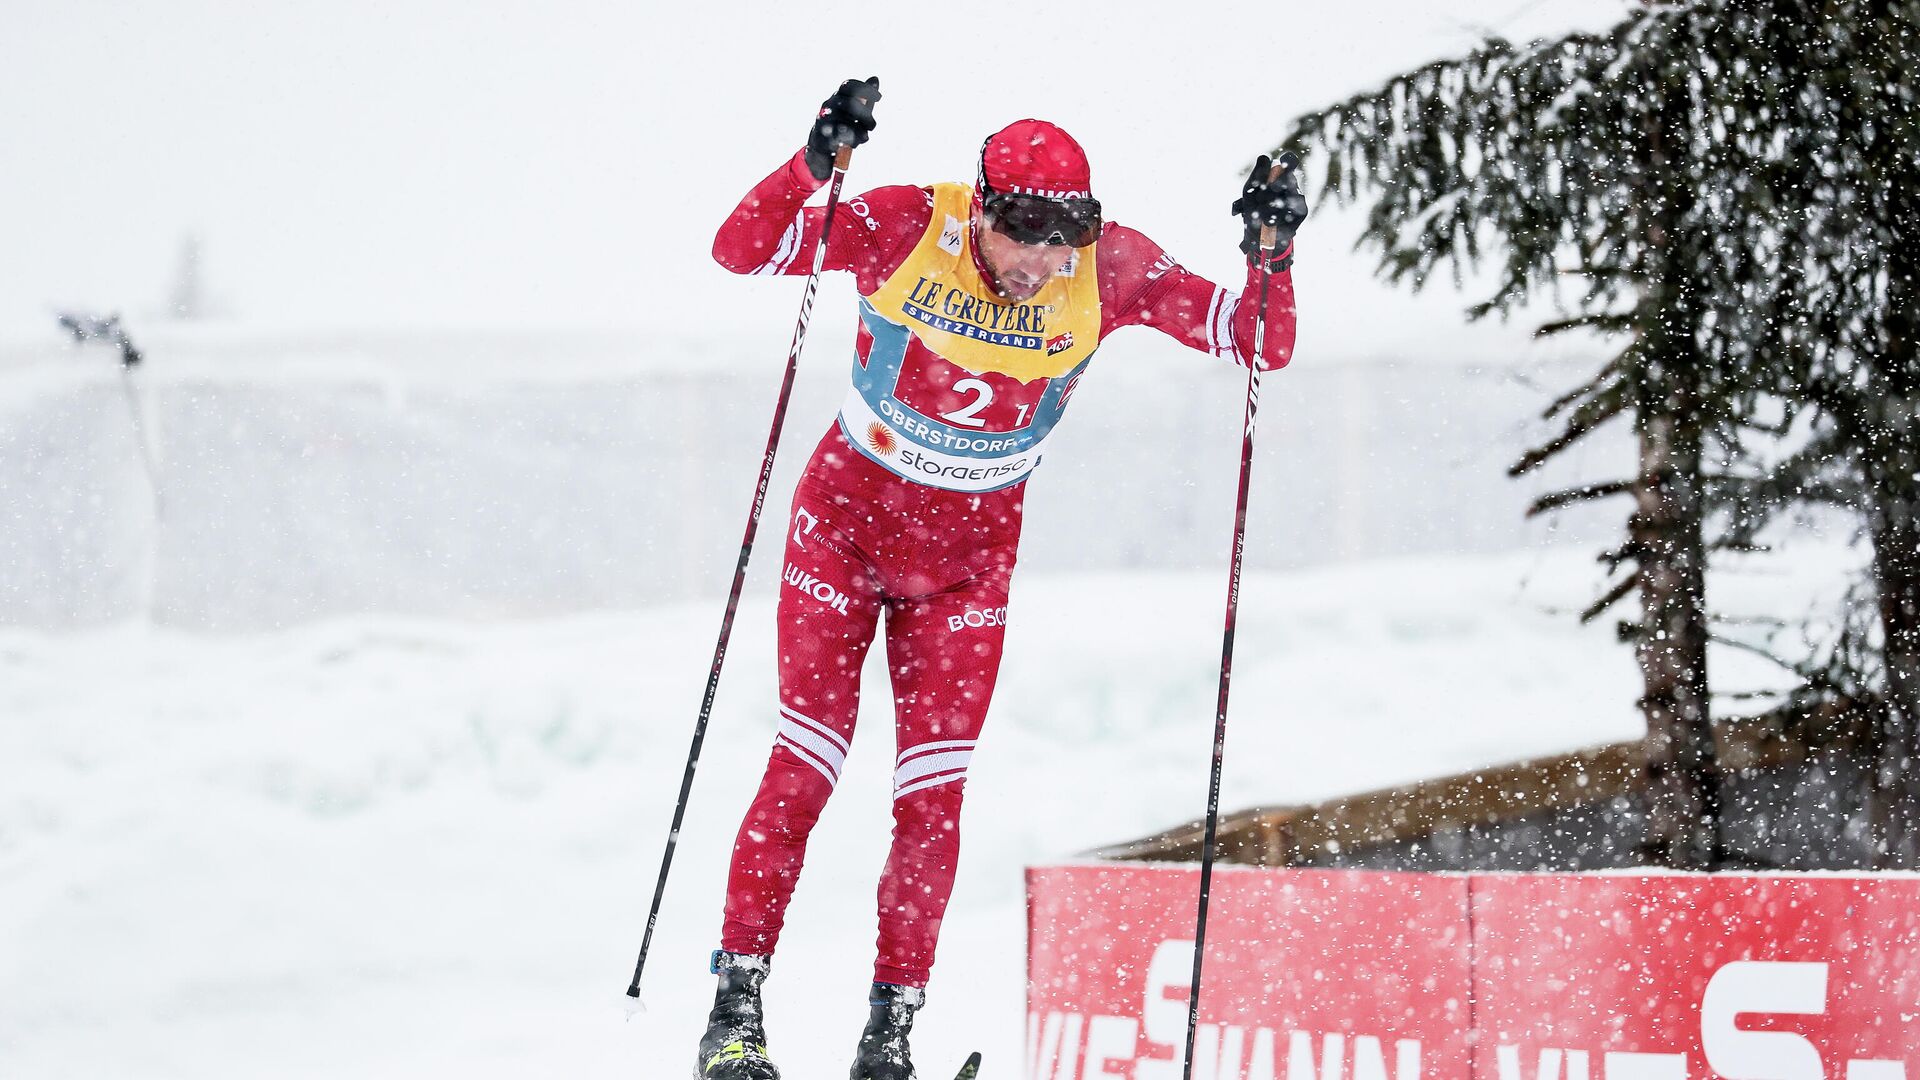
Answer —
1253 398
814 587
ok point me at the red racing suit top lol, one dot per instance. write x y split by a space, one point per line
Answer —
954 386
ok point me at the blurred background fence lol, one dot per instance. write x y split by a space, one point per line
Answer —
480 475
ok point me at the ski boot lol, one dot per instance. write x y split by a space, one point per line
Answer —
884 1054
735 1045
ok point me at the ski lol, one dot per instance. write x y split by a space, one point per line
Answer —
971 1069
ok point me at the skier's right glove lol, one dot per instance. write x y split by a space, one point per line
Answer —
845 119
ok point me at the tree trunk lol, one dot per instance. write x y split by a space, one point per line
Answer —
1891 462
1667 531
1895 796
1682 773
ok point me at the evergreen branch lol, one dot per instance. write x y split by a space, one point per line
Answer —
1752 649
1602 382
1599 407
1615 558
1611 597
1607 322
1572 496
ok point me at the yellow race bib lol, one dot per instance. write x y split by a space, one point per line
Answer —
954 387
939 295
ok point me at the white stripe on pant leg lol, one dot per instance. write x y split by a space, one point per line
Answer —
926 765
930 747
930 782
828 753
818 728
810 759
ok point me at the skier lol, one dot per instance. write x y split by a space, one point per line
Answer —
980 310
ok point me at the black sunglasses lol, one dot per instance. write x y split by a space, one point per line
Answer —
1034 219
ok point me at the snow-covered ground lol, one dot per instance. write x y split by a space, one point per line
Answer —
389 848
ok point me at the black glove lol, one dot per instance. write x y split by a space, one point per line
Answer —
844 120
1275 202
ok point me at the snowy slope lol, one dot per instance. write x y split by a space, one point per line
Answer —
386 848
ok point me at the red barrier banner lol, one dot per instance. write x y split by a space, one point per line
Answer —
1310 974
1359 975
1684 977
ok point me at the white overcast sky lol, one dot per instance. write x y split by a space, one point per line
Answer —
356 164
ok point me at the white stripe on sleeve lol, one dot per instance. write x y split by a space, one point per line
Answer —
784 252
1213 314
1229 346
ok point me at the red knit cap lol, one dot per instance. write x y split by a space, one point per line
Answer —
1034 157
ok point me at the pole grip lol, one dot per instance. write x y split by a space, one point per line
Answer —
1270 234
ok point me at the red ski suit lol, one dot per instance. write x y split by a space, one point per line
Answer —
911 505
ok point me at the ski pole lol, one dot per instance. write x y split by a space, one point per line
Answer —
840 162
85 328
1268 240
129 358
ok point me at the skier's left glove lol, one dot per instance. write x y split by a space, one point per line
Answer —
846 119
1276 202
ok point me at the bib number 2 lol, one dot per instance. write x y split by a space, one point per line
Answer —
968 415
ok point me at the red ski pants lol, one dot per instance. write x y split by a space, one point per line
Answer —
862 542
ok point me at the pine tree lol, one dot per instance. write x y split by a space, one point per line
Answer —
1623 161
1855 224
